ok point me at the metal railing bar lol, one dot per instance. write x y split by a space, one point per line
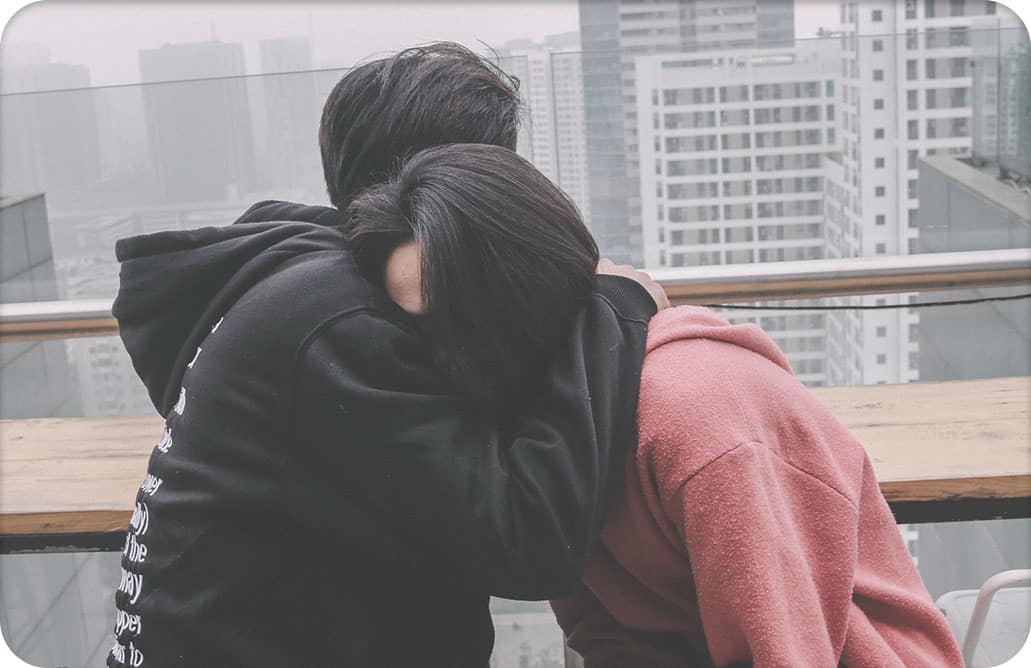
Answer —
774 281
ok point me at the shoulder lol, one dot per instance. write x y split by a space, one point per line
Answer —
700 398
317 294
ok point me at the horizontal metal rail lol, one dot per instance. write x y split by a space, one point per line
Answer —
846 277
775 281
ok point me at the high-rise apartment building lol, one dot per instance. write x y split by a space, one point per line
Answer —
290 158
552 133
905 93
49 139
198 120
731 147
1001 94
613 34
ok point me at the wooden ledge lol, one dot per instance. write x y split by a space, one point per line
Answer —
964 442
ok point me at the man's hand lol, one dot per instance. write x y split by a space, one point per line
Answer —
607 266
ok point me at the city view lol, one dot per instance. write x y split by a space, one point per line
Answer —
688 132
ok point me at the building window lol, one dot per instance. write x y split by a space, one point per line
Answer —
878 45
912 246
878 163
879 219
878 103
878 75
932 98
914 360
882 332
957 67
912 100
912 130
929 9
878 133
956 8
911 157
912 39
911 214
878 191
880 249
911 188
877 16
989 7
910 9
911 70
931 66
932 128
882 358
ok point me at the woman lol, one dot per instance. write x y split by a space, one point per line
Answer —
750 530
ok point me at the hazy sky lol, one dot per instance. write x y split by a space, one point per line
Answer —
106 36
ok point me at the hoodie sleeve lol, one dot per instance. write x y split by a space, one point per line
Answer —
510 509
773 551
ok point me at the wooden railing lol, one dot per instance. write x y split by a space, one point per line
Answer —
942 451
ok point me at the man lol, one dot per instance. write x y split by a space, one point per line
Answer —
319 496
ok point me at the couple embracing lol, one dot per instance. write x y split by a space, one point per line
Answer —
379 414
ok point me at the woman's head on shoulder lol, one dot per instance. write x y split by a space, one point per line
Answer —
493 258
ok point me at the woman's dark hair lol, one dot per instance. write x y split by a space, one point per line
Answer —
380 111
505 258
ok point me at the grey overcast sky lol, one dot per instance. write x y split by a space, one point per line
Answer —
106 36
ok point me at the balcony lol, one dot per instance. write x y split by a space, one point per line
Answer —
910 327
68 482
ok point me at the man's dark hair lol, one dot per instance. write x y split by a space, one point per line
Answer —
383 110
505 258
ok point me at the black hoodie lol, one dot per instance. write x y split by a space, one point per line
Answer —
317 498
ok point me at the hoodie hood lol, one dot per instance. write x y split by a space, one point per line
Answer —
697 322
173 286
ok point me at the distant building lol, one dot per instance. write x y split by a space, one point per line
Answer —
36 378
552 133
905 94
198 118
965 208
48 140
613 34
731 145
292 110
1001 94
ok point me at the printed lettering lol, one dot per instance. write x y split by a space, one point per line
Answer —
134 550
140 520
135 656
165 444
128 622
180 405
131 584
151 484
195 356
118 653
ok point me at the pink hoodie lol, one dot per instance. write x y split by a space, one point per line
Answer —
750 528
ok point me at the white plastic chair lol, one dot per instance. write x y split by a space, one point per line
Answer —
967 613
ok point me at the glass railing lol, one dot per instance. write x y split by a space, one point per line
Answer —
838 147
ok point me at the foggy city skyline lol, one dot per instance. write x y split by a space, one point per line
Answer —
688 133
105 37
